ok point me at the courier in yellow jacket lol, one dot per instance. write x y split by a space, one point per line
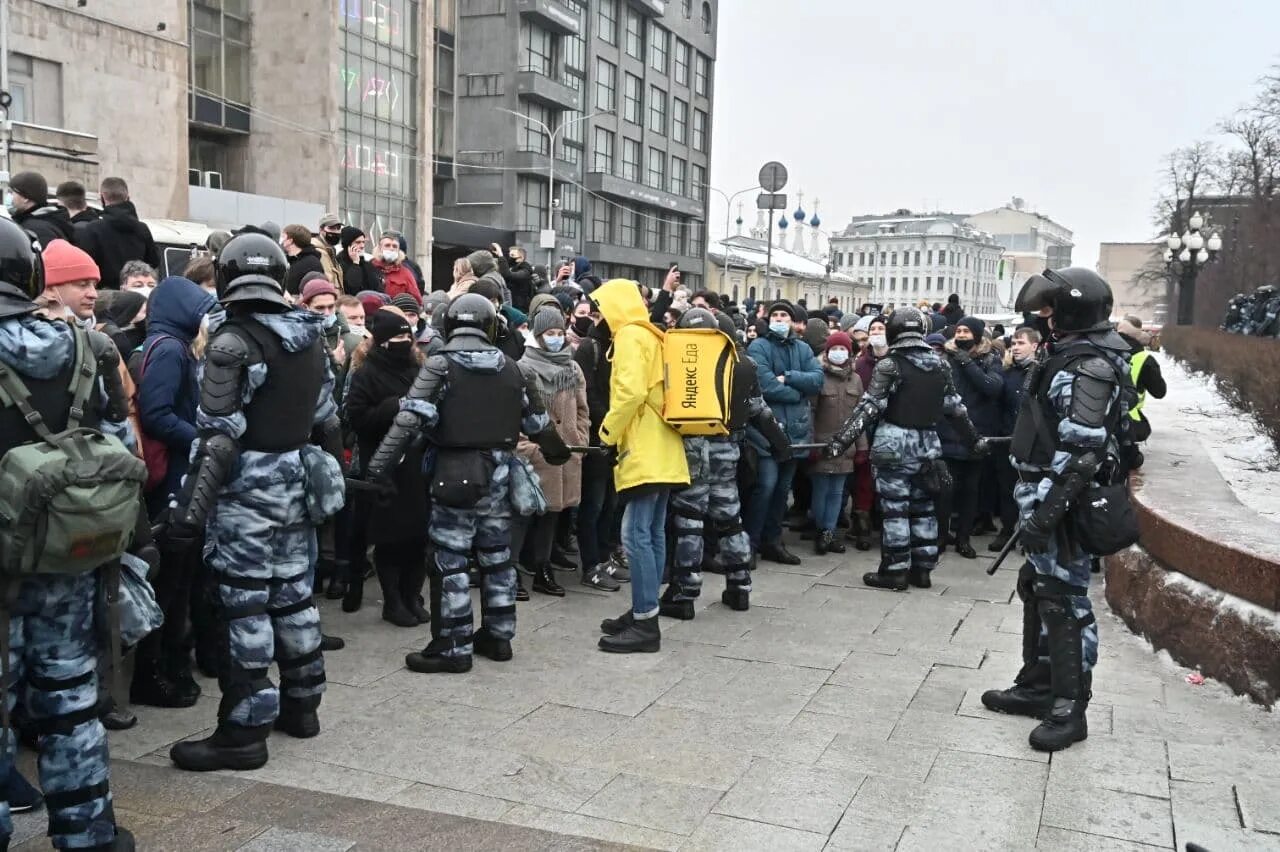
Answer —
650 460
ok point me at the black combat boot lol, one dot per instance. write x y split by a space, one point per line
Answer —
1031 693
394 610
835 542
642 636
965 549
893 580
122 842
775 551
821 542
735 596
1065 722
488 645
669 606
431 659
997 544
614 626
354 598
298 717
412 577
919 577
1064 725
860 531
544 581
154 683
228 747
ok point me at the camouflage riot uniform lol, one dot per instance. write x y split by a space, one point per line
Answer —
910 389
266 392
472 402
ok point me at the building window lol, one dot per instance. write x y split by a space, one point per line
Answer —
532 195
529 136
893 283
606 85
574 130
607 21
575 46
684 54
631 100
706 18
570 211
602 153
631 160
657 110
601 221
928 282
883 258
635 34
699 131
698 182
627 227
659 48
917 257
687 6
680 121
539 47
893 258
702 75
862 258
657 168
674 229
679 175
652 233
36 88
697 238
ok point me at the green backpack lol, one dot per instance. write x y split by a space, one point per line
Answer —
69 502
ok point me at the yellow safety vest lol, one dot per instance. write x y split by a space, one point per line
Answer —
1135 367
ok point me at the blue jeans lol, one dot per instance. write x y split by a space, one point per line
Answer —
828 495
768 501
644 538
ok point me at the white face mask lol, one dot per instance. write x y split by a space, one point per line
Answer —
389 256
878 341
838 356
144 292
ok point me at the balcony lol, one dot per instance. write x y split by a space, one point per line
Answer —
613 253
656 8
625 190
532 162
551 14
535 86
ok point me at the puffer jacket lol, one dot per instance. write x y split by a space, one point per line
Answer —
832 407
979 380
649 451
792 359
397 278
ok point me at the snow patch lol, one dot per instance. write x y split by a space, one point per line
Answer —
1246 611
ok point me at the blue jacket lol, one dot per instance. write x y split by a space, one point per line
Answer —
1011 400
793 359
168 393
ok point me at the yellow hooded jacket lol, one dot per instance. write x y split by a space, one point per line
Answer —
649 451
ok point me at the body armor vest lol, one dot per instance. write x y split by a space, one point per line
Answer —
481 411
917 403
1035 433
282 412
52 399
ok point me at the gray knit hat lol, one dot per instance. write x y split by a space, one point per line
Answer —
546 319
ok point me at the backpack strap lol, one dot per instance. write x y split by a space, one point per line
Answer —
16 394
83 374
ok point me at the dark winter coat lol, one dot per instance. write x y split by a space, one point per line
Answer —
300 265
591 356
1011 398
48 224
980 383
519 278
372 403
954 313
85 216
358 277
794 360
117 238
168 391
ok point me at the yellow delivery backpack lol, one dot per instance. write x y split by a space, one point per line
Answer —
698 365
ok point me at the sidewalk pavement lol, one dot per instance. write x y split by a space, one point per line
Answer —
829 716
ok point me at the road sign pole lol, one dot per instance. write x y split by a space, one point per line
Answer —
773 177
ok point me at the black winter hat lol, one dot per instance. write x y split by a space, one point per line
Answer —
953 299
784 305
350 233
31 186
975 325
387 324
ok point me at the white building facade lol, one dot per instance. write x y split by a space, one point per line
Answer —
1032 243
906 258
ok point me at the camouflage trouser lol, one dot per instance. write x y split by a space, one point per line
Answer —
1062 576
910 537
713 494
53 655
262 561
454 534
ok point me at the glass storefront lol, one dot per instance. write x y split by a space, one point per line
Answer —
378 84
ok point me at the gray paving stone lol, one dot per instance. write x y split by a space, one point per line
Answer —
1207 814
971 705
543 783
584 826
973 817
1002 736
727 834
741 694
857 753
1260 806
446 801
1124 764
1096 810
803 740
1061 840
991 774
557 732
860 833
325 777
676 808
1211 764
283 840
791 795
878 710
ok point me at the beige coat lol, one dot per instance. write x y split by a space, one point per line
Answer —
568 410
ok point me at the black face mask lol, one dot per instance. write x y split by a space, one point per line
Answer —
582 326
400 351
965 344
332 239
1042 326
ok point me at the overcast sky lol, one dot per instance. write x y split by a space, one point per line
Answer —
959 106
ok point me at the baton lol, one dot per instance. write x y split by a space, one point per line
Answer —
588 451
1008 439
804 448
1007 549
370 487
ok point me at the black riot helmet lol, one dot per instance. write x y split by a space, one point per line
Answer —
697 318
471 315
1080 298
251 268
21 270
905 323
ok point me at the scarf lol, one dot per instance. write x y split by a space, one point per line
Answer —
552 371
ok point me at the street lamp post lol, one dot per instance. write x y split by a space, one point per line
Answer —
552 136
728 209
1184 257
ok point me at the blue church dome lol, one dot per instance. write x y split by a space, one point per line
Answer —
815 222
799 214
782 223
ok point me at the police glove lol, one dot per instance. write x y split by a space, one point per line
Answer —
553 447
834 449
1035 537
610 454
177 535
981 448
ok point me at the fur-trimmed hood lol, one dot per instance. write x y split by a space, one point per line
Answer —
980 348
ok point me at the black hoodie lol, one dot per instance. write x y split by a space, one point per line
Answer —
48 224
305 261
117 238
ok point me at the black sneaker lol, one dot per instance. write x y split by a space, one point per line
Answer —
332 643
617 569
640 637
432 663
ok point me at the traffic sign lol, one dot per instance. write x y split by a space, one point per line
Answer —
773 176
771 201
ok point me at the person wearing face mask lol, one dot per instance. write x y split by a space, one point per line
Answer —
138 275
549 365
383 369
976 373
327 242
834 404
357 273
518 274
397 278
580 323
1018 358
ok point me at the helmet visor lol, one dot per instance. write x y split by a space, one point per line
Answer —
1037 294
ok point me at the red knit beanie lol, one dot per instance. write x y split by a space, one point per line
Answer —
64 263
839 338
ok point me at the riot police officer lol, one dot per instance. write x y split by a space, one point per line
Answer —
712 493
911 389
1065 435
473 402
49 618
262 488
